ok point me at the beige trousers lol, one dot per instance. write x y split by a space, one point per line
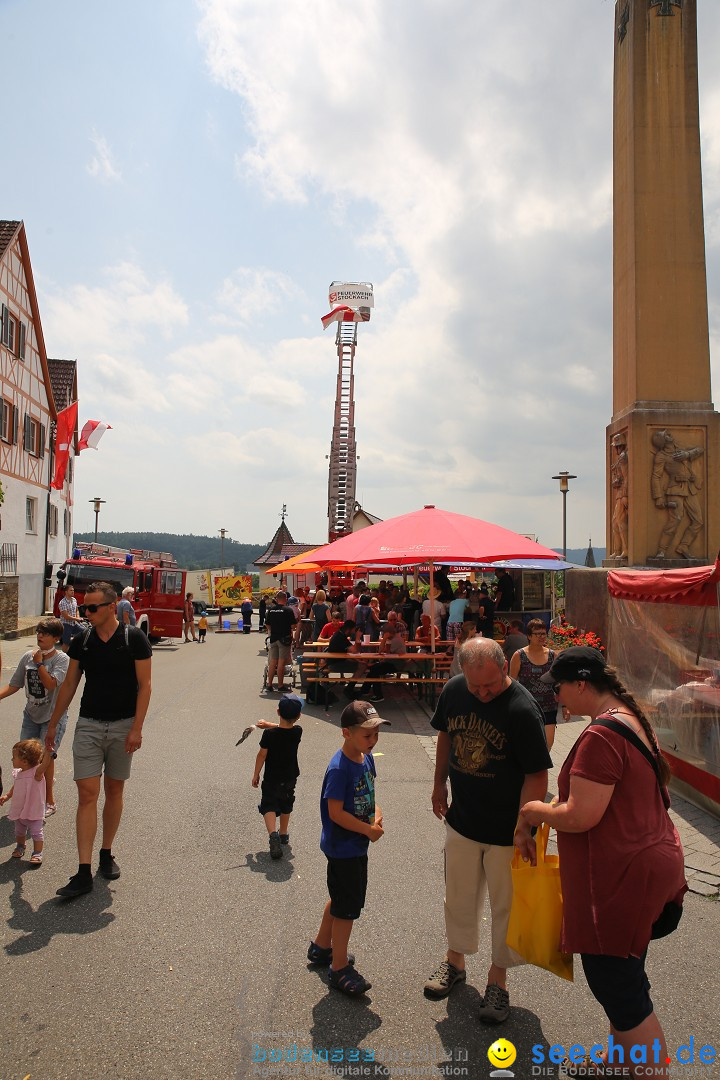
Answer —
470 867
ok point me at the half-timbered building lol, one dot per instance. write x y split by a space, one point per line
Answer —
35 523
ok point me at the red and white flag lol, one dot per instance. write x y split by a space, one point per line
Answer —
91 434
343 313
64 432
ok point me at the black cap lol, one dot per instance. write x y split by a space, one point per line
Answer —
577 662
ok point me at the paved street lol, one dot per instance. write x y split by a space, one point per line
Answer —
197 952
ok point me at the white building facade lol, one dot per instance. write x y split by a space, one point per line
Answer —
35 522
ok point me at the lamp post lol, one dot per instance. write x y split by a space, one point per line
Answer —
564 478
97 504
223 533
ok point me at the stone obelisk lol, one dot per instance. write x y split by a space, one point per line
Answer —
663 443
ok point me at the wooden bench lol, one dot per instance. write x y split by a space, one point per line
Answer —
311 673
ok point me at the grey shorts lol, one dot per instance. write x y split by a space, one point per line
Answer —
99 745
31 730
278 651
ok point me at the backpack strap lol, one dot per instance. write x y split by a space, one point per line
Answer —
631 737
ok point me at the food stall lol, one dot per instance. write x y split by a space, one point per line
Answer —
664 639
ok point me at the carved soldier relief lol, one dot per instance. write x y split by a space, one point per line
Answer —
675 485
619 485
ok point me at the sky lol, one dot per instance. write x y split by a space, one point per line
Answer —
193 174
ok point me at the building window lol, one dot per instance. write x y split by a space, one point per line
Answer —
34 437
8 416
53 520
66 522
31 515
12 333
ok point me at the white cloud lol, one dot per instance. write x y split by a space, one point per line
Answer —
101 164
251 292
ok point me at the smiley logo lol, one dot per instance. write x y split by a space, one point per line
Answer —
502 1054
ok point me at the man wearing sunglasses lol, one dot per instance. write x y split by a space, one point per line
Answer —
115 661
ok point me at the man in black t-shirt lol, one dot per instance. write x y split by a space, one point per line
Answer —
115 661
280 623
343 641
492 746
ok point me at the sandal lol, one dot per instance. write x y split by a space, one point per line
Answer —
323 957
349 981
18 852
36 858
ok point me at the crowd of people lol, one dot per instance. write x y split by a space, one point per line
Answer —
621 861
114 657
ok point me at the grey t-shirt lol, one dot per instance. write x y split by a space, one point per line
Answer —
125 605
40 702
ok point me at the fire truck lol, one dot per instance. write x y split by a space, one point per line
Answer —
158 582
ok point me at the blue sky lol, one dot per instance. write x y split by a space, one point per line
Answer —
193 175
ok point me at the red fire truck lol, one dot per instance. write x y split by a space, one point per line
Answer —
158 582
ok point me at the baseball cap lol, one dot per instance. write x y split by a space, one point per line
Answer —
577 662
290 706
293 600
361 714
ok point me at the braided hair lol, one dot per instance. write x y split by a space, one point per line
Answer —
611 681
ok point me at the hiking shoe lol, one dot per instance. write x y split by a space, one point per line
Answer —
495 1006
109 868
284 838
442 980
76 886
276 851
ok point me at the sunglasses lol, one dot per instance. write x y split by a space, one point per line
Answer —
93 608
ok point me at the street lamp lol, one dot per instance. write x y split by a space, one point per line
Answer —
564 478
223 533
97 504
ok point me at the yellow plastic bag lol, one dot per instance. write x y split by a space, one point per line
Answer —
536 914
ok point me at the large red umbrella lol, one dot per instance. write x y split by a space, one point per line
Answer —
429 536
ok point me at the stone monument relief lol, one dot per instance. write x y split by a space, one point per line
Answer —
675 486
619 483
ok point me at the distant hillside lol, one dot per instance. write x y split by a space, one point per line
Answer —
191 552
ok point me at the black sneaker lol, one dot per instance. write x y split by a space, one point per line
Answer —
76 886
442 980
495 1007
284 838
276 851
109 868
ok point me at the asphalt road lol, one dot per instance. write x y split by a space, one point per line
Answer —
196 955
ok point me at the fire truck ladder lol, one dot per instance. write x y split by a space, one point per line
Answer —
343 456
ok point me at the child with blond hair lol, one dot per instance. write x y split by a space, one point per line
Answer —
27 797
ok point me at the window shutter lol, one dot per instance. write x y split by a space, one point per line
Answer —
21 341
5 324
41 440
27 437
14 425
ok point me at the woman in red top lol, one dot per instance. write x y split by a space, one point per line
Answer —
621 861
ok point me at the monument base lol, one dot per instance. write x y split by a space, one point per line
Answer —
663 479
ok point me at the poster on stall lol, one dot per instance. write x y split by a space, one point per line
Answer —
230 591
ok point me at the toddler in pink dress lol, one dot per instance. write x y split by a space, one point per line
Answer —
27 809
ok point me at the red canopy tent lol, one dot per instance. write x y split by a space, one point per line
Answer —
430 536
696 586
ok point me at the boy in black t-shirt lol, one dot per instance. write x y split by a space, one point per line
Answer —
278 753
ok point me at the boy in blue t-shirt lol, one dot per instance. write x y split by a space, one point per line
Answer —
350 821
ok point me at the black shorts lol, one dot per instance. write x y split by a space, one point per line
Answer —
550 717
621 986
277 796
347 885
